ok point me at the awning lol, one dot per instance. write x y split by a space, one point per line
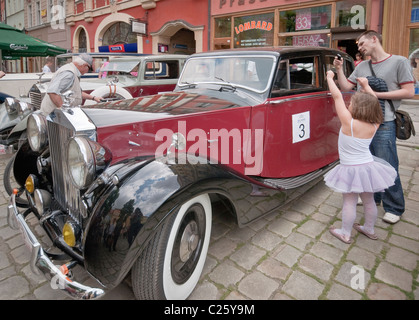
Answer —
14 44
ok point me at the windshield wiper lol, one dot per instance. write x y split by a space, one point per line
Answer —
226 82
187 85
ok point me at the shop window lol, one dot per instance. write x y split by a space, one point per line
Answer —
305 27
415 11
254 31
351 13
316 18
222 27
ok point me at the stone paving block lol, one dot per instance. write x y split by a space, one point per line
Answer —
317 267
298 240
281 227
247 256
274 269
312 228
266 240
222 248
361 257
14 288
302 287
382 291
339 292
407 244
402 258
394 276
227 274
406 230
288 255
326 252
257 286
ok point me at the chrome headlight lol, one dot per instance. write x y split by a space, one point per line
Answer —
37 131
86 160
23 108
11 105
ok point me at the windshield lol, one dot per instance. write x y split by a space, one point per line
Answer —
251 72
127 68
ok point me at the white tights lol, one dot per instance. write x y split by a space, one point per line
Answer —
350 201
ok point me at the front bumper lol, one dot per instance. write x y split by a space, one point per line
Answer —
41 263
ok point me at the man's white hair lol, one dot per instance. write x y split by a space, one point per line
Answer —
79 61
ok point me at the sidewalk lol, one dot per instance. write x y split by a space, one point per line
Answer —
289 254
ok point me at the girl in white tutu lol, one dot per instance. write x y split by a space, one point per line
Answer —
359 173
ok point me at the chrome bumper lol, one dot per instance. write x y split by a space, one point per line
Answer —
40 262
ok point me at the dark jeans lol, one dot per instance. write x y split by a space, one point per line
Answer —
384 146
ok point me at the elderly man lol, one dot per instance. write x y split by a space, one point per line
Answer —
67 78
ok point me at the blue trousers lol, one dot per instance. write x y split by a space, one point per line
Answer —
384 146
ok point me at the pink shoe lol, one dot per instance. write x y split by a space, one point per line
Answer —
358 228
339 236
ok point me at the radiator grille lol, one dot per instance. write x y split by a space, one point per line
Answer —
36 99
65 193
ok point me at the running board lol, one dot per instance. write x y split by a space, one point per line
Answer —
295 182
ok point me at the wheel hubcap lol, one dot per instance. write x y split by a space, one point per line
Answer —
189 241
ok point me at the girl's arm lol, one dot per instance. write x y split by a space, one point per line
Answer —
344 115
363 82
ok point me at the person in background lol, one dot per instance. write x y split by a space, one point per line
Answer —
48 65
358 58
359 173
68 78
102 74
396 72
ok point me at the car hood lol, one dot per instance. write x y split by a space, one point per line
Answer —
156 107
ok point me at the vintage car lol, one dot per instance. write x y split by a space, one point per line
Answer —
128 187
153 74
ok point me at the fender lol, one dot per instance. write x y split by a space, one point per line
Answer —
129 212
25 163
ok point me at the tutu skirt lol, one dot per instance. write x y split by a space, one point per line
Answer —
375 176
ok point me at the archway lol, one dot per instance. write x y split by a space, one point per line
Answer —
179 37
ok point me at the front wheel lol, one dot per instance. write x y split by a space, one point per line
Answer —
171 264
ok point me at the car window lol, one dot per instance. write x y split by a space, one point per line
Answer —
162 70
347 66
296 75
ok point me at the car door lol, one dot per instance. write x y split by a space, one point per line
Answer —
301 126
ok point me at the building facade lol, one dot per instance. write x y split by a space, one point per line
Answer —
250 23
144 26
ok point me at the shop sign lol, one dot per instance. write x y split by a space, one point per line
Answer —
309 40
251 25
239 2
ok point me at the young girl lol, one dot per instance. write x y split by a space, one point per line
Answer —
359 173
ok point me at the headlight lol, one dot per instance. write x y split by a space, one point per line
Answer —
37 131
23 107
11 105
86 160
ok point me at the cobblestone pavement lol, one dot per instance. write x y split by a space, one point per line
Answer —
287 255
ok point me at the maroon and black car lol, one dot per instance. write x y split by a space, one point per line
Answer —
130 185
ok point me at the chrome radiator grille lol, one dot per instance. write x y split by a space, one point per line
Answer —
36 99
65 193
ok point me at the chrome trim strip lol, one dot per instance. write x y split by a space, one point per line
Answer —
40 262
